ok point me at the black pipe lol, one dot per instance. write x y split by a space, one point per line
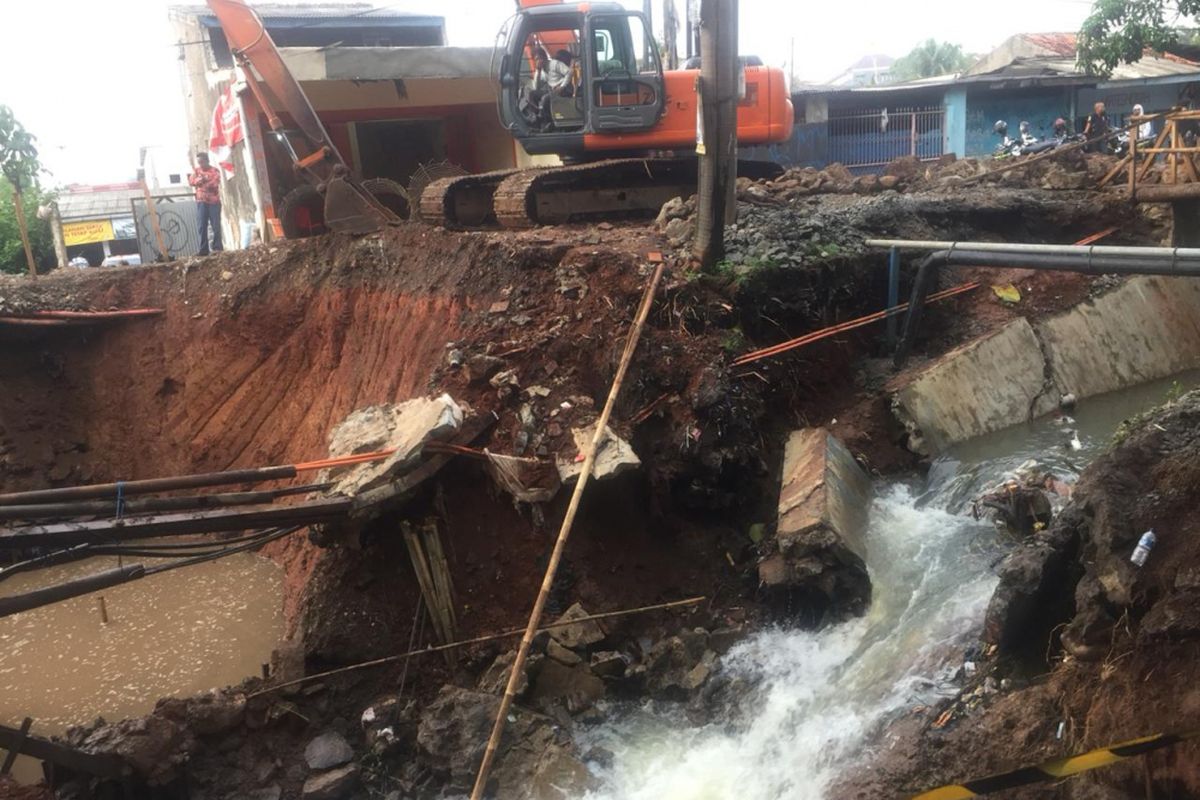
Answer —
65 591
150 485
1088 263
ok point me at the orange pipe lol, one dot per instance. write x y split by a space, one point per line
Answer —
833 330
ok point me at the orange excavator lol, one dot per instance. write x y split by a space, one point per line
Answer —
580 80
329 195
625 129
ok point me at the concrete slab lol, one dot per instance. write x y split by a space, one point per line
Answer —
405 427
819 548
614 456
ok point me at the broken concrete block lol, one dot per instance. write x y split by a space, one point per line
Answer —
577 636
818 553
576 686
613 456
404 427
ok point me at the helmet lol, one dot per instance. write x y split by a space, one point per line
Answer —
1024 126
1001 127
1060 123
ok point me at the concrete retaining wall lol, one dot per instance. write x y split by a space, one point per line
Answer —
983 386
1147 328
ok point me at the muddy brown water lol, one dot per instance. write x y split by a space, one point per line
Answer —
173 634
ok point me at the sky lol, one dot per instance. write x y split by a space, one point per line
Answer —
96 81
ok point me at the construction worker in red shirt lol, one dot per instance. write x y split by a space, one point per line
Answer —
206 180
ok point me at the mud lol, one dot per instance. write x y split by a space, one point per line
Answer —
258 354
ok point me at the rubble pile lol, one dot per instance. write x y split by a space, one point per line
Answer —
317 742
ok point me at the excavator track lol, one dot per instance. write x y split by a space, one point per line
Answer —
618 188
601 190
462 202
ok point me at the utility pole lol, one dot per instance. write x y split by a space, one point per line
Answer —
49 212
717 139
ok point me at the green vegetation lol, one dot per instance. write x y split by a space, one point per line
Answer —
1121 31
20 168
930 59
12 253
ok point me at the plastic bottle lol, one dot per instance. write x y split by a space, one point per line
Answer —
1144 546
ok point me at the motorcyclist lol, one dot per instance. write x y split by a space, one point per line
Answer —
1061 130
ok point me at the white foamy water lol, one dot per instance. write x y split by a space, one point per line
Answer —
819 695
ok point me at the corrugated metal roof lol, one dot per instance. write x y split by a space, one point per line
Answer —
81 205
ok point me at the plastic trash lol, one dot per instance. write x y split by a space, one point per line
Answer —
1144 546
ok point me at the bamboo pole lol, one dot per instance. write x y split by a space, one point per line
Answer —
425 581
535 617
441 571
23 225
491 637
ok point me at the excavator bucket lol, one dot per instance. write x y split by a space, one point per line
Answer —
349 208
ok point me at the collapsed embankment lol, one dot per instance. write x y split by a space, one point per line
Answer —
259 354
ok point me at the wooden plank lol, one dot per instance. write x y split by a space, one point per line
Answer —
102 765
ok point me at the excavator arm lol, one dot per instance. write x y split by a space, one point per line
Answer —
349 207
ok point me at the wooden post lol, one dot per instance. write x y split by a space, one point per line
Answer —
13 752
1174 156
1133 167
103 609
152 212
718 101
732 80
23 225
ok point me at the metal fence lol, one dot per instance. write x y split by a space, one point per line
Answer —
876 137
177 218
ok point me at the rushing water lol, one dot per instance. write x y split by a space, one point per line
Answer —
818 697
173 634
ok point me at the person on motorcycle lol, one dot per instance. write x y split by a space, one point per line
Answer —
1061 131
1027 138
1096 127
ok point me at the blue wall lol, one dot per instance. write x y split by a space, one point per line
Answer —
956 120
1038 107
808 147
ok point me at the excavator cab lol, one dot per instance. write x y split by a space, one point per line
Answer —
567 71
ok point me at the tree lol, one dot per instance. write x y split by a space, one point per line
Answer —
930 59
1121 31
41 241
19 166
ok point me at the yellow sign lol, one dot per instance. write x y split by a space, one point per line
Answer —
95 230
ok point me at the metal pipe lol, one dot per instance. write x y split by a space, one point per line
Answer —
1066 258
1053 249
65 591
1085 262
186 502
149 485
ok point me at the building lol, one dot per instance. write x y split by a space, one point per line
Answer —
1030 77
109 219
390 94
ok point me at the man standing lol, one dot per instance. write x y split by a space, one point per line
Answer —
1097 125
206 180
